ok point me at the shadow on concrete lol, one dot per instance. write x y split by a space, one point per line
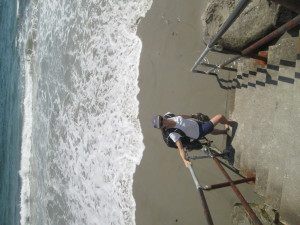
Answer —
229 151
235 83
234 126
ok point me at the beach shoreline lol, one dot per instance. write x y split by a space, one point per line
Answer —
163 188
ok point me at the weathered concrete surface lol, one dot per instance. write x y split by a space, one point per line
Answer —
265 214
267 140
257 19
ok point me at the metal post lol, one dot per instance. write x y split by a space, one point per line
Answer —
200 59
199 157
232 17
276 33
202 197
194 177
239 195
213 66
226 184
233 169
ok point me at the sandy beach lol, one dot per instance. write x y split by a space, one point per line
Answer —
163 188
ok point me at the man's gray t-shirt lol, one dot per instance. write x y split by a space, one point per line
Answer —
189 127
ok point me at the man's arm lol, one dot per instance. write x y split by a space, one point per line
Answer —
182 153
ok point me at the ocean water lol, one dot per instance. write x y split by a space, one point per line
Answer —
11 114
69 113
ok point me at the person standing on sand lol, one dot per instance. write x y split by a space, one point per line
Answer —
191 128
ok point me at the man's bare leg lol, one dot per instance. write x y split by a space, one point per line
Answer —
218 131
221 119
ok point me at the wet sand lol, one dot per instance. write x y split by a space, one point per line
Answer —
163 188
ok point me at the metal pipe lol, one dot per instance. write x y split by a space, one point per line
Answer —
239 195
212 70
233 52
229 61
194 177
291 5
202 197
203 72
219 155
233 169
276 33
226 184
205 207
199 157
200 59
213 66
232 17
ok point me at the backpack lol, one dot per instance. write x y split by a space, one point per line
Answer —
185 140
170 143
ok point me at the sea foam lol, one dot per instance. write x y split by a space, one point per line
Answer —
81 138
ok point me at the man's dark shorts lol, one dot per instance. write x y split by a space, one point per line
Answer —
205 128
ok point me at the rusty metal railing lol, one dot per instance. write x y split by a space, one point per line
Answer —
202 197
276 33
248 51
231 183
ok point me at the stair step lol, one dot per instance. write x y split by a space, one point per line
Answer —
288 46
237 159
281 121
273 64
275 160
252 66
276 172
247 166
264 114
273 193
264 155
274 57
288 60
261 76
262 173
251 74
297 68
250 98
289 207
242 74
